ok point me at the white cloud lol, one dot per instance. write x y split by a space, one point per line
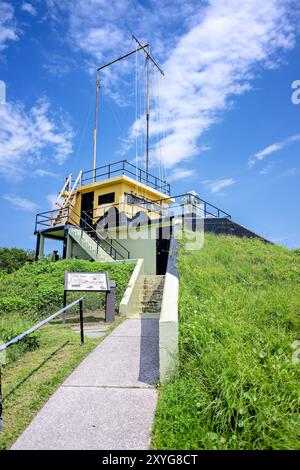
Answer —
276 147
216 185
30 136
210 52
41 172
20 203
8 28
58 65
29 8
181 174
291 172
51 198
267 169
215 61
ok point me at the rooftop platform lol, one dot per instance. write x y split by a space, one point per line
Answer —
125 168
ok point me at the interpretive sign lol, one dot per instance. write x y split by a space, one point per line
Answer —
94 282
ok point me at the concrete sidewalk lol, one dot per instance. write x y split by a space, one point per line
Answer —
109 401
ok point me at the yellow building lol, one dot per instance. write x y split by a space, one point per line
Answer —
120 212
94 215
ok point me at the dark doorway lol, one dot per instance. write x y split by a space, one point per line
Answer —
87 206
162 249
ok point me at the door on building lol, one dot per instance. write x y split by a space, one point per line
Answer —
163 236
87 207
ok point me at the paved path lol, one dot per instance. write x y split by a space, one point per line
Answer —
109 401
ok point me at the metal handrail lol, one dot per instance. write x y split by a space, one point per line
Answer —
18 338
157 202
142 175
104 239
112 240
109 249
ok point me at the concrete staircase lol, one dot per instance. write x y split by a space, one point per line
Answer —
89 245
151 297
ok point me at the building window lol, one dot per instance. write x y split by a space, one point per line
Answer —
139 201
107 198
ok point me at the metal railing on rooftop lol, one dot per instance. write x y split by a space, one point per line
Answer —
162 207
123 167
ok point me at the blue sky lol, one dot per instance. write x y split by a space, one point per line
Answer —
223 122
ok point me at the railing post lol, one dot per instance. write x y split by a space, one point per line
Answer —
81 322
65 304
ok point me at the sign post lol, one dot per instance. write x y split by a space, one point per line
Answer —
110 307
93 282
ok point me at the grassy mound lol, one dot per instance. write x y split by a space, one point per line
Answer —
36 289
237 386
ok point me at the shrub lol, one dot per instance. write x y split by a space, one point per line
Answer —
36 290
28 343
12 259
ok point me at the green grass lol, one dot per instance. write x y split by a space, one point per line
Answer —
236 386
36 290
30 381
36 366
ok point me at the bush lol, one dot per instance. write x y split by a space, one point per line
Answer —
12 259
13 303
36 290
28 343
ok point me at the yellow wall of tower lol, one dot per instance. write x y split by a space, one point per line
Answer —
120 186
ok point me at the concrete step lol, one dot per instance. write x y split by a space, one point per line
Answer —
151 302
152 296
145 300
153 289
150 312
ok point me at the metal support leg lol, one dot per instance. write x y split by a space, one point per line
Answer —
65 243
37 249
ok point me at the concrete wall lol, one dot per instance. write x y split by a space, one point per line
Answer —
168 322
168 328
140 245
76 251
131 301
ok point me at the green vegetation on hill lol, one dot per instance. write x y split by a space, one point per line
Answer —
12 259
36 366
36 289
236 386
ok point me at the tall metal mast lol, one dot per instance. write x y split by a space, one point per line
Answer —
96 125
146 49
148 113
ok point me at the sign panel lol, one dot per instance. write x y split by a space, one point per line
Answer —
96 282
